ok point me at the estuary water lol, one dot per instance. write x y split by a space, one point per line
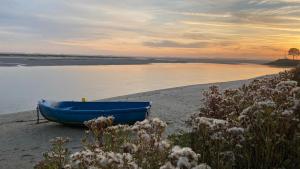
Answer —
21 87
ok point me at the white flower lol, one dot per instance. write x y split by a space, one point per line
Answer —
168 165
158 122
143 135
183 156
202 166
209 122
266 104
163 145
236 130
287 112
286 85
102 121
183 162
67 166
130 148
217 136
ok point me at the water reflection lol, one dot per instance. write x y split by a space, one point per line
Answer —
21 87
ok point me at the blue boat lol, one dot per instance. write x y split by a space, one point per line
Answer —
76 113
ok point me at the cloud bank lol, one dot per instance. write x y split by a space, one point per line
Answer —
192 28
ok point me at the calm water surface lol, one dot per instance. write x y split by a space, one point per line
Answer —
22 87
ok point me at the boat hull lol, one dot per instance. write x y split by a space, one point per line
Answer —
76 113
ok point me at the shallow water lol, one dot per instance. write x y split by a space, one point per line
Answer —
21 87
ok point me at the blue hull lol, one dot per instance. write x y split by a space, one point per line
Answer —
71 112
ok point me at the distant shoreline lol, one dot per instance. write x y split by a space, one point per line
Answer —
284 63
68 60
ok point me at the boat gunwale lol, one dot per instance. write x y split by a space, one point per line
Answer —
42 102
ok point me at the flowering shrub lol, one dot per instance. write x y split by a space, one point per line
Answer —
255 126
122 146
296 74
57 157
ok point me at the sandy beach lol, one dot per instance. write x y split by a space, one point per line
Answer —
22 141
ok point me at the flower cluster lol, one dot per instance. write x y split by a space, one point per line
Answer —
99 123
184 158
149 130
148 138
108 146
100 159
211 123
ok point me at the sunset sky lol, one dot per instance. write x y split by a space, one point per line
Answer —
185 28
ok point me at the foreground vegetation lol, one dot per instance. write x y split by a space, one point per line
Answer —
255 127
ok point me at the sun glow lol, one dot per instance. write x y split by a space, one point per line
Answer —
256 29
